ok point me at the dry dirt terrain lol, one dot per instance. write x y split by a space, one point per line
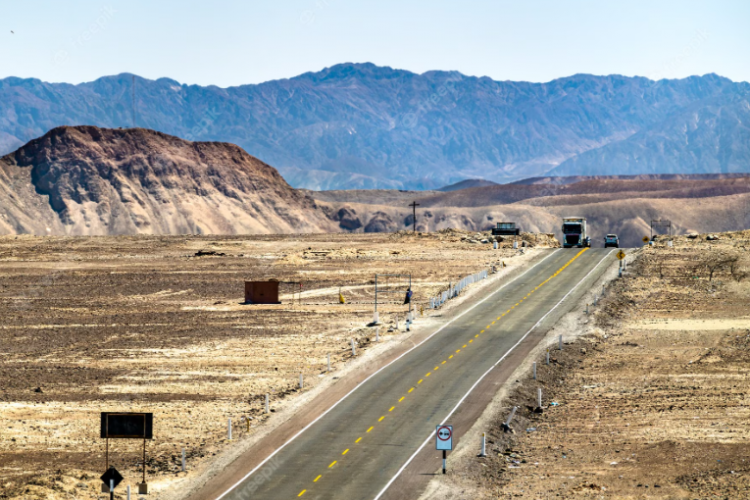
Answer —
611 205
142 323
652 403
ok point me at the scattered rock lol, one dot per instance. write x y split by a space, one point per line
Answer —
202 253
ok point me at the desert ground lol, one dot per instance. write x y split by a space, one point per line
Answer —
649 401
144 323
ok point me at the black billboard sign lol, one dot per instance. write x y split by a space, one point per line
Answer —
127 425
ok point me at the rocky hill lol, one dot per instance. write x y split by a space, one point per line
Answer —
92 181
355 126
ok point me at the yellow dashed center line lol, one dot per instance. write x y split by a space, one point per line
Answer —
451 357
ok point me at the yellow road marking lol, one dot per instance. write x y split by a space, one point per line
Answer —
428 374
316 479
477 335
420 381
333 463
347 450
482 331
458 350
437 367
463 346
358 440
392 407
411 389
493 322
381 418
471 340
443 362
402 398
449 357
301 493
371 428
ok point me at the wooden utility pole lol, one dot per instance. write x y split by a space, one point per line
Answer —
414 206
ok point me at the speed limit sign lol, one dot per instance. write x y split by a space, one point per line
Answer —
444 437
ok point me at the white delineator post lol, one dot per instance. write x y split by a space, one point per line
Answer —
184 467
539 397
483 453
301 385
128 491
377 334
229 429
547 356
267 408
510 417
354 349
560 343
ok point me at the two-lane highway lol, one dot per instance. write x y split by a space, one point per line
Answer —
364 442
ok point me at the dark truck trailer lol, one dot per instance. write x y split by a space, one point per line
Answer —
506 229
574 233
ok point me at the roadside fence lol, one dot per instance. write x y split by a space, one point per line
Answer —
456 289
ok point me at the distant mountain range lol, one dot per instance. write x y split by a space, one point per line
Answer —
355 126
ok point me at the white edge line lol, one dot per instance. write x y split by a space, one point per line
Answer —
442 422
269 457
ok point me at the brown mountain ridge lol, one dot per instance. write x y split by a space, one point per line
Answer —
91 181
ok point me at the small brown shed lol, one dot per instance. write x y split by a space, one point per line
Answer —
262 292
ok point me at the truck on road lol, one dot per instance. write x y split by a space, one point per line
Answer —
574 233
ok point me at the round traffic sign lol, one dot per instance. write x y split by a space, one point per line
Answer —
444 433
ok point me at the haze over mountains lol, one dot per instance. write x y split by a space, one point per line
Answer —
364 126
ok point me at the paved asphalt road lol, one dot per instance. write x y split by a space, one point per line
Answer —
356 450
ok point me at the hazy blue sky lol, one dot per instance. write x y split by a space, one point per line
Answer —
225 42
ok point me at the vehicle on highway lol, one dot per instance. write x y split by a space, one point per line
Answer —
506 228
574 233
611 240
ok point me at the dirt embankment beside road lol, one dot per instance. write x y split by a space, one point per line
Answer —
653 403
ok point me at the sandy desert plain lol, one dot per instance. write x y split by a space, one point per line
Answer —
140 323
